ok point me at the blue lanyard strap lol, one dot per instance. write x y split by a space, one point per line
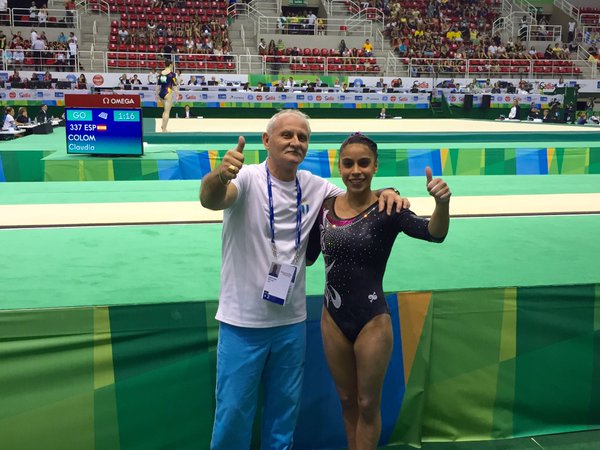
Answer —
272 214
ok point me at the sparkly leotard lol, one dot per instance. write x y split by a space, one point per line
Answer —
166 83
356 252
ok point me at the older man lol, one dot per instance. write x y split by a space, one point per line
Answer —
269 211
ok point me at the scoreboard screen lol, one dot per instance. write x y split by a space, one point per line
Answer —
99 131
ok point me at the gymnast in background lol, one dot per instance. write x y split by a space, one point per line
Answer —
167 91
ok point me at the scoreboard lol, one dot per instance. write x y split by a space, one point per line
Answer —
97 131
104 124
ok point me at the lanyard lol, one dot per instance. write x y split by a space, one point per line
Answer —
272 215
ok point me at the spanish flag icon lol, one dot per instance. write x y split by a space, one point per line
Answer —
101 128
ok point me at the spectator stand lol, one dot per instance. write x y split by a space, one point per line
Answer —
95 6
591 60
313 60
568 8
142 61
52 60
195 35
54 18
20 54
333 27
505 68
364 10
589 16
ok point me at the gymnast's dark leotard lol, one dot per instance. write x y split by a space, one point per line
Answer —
166 83
356 252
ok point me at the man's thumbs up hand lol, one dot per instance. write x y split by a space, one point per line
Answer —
232 162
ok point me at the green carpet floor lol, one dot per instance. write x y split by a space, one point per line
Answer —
587 440
160 263
187 190
156 264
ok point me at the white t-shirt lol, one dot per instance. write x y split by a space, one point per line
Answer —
72 48
9 123
246 247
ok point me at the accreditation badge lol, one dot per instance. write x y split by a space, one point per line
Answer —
279 283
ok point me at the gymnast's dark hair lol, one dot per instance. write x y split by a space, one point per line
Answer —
358 138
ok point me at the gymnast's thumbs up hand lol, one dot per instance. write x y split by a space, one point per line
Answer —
437 187
232 162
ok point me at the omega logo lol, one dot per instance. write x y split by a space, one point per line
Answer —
117 101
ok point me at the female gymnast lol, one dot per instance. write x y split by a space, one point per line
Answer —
356 240
167 91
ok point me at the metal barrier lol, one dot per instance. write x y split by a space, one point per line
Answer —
568 8
55 18
589 19
52 60
311 61
96 6
333 27
552 33
495 68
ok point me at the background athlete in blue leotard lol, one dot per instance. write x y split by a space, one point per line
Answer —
356 241
167 91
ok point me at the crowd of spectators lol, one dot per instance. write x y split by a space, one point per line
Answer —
44 80
189 38
39 15
342 59
437 29
455 29
37 52
305 22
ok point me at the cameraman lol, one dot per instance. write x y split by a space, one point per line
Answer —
554 107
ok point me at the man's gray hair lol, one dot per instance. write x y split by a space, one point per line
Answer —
276 116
